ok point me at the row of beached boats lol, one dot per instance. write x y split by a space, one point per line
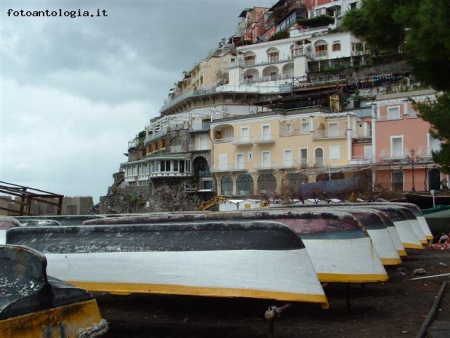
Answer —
280 253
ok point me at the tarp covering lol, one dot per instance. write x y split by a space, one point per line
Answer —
331 188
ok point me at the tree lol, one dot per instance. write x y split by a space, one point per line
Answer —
422 29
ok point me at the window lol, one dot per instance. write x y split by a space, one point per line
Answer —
288 158
266 159
203 142
240 161
223 159
397 147
306 127
245 134
335 152
244 185
393 113
250 59
287 129
368 152
321 50
250 156
336 46
333 130
304 156
165 165
266 132
397 180
226 184
228 135
272 56
318 156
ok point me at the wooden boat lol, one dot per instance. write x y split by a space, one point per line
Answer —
398 214
392 231
33 304
424 200
420 218
379 233
407 235
413 221
263 260
340 250
438 220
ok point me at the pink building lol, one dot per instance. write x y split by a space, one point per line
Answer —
403 145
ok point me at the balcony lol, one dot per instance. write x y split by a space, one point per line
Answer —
286 164
361 160
229 167
166 174
328 134
242 141
224 140
263 139
396 155
425 153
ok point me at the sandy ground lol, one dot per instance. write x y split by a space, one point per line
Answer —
397 308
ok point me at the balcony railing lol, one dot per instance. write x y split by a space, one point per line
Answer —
394 155
229 167
242 141
318 161
360 160
327 134
264 138
224 140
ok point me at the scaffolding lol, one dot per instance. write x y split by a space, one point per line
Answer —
25 197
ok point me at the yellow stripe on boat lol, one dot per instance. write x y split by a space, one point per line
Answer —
413 246
341 278
127 288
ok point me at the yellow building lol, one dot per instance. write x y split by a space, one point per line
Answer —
264 153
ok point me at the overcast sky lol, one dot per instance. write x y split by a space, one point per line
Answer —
74 91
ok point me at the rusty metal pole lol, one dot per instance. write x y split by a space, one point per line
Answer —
272 313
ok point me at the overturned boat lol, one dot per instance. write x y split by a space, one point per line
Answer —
33 304
263 260
340 250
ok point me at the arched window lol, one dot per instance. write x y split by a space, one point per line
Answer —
397 180
249 58
267 184
321 48
292 182
244 185
318 156
273 55
226 185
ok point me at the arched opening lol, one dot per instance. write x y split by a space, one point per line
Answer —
273 55
251 75
321 48
292 182
318 157
201 167
244 185
226 185
434 179
267 184
249 58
